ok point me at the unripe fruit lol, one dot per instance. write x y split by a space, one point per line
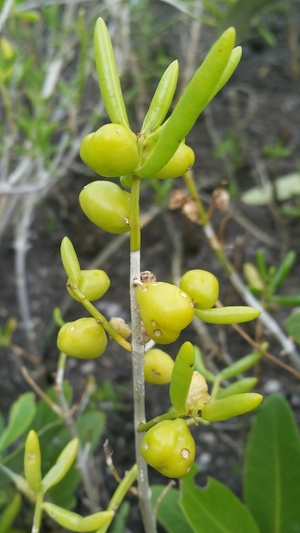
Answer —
110 151
92 283
202 287
164 306
106 205
84 338
159 335
179 163
169 448
158 367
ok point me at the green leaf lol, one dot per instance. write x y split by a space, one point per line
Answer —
214 508
62 465
108 76
283 270
20 417
90 427
162 99
169 514
9 514
44 414
182 376
285 187
15 460
70 260
292 325
272 468
233 62
194 99
287 299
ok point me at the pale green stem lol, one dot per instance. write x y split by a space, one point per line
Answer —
100 318
171 415
138 352
37 519
215 387
270 324
122 489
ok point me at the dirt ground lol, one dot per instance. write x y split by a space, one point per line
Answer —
259 107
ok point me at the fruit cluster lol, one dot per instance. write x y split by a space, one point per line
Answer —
114 150
167 309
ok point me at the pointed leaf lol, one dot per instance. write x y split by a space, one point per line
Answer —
192 102
233 62
62 465
162 98
108 76
214 509
272 468
20 417
182 376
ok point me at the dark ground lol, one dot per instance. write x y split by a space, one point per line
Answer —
260 105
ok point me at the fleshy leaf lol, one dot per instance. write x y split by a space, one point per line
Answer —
194 99
108 75
182 376
162 98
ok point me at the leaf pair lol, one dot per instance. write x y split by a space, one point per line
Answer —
211 76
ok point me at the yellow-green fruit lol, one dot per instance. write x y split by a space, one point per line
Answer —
202 287
169 448
84 338
92 283
164 306
179 163
158 367
160 335
106 205
110 151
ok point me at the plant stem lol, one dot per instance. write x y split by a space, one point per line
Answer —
37 519
267 320
100 318
122 489
171 415
138 351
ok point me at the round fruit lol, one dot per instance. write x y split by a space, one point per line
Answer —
179 163
92 283
202 287
84 338
164 306
158 367
106 205
110 151
169 448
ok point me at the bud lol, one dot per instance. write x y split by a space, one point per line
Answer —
221 199
120 326
198 394
177 199
190 210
